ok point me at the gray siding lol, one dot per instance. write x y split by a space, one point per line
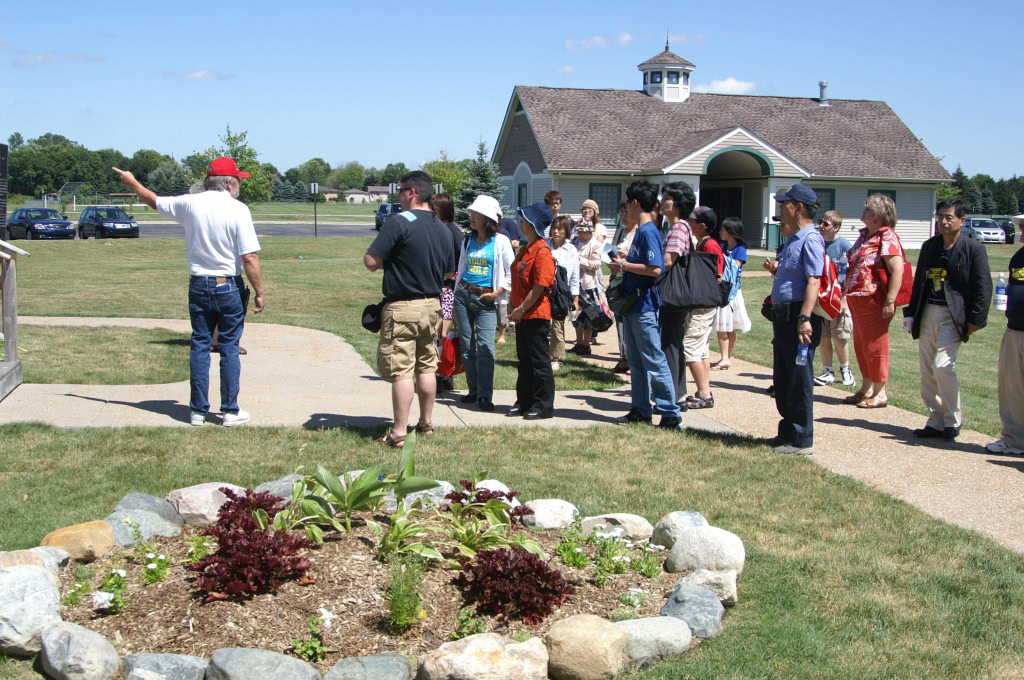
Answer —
914 208
521 146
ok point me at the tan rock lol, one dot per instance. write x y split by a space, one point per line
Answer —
13 558
487 655
585 647
84 542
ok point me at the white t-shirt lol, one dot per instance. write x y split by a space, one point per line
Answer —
218 231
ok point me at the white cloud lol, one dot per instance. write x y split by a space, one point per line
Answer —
45 58
200 75
624 38
565 69
592 43
10 48
728 86
685 39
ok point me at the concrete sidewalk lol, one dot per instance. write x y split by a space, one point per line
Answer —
300 377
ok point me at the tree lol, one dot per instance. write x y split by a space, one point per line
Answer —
988 201
168 179
392 174
293 174
145 161
372 177
961 183
278 190
974 200
482 178
51 139
270 169
315 170
446 172
946 191
352 175
15 141
255 189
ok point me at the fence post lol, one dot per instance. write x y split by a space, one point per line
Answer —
10 309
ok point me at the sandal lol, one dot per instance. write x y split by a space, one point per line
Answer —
721 367
873 402
426 429
697 401
392 440
855 398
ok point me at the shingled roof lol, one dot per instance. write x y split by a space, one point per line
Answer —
627 130
666 57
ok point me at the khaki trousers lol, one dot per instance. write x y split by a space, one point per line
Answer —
938 346
557 343
1011 387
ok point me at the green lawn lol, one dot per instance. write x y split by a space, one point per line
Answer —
841 581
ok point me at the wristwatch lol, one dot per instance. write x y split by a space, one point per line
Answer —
803 317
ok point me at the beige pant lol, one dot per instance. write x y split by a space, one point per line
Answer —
1011 387
557 345
938 346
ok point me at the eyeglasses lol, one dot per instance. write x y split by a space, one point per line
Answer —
944 217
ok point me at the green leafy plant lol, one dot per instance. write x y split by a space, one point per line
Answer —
199 546
646 562
405 607
467 625
521 636
307 511
403 536
156 568
141 546
632 598
624 614
361 493
84 572
312 650
74 595
405 481
116 584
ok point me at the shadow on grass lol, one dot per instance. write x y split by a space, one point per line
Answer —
365 426
173 342
172 409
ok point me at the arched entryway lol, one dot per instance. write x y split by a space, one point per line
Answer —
734 183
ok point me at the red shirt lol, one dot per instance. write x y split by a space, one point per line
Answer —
710 245
534 266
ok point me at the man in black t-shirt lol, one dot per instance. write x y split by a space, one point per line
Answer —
417 252
1011 363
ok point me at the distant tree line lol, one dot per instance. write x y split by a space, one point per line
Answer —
984 195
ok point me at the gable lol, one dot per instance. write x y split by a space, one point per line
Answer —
771 161
520 146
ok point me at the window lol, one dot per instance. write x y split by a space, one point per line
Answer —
673 77
885 192
826 200
607 197
645 79
686 79
656 77
522 195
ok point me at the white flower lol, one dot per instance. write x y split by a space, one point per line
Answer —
119 572
150 556
101 600
162 558
579 550
151 565
327 617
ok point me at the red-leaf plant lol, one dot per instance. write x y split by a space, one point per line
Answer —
512 583
474 495
249 558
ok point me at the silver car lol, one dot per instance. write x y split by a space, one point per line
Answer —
984 229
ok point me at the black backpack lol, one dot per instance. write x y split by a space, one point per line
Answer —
560 297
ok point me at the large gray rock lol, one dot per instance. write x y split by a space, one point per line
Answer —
198 504
633 527
389 666
487 655
708 548
17 558
550 513
282 488
238 663
29 601
668 528
432 498
721 583
495 485
71 652
149 525
585 647
164 667
147 503
698 607
655 637
53 558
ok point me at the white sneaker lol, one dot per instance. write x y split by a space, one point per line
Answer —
1003 448
198 419
555 365
234 419
847 376
795 450
827 377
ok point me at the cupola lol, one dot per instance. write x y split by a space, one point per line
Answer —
667 76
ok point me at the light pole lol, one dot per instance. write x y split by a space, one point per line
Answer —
313 189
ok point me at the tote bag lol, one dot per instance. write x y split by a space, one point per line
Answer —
881 275
693 282
450 362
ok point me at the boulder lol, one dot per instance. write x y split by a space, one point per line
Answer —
83 542
698 607
164 667
388 666
655 637
430 497
198 505
29 601
55 559
143 501
633 527
721 583
708 548
238 663
550 513
149 525
71 652
668 528
282 488
495 485
487 655
585 647
14 558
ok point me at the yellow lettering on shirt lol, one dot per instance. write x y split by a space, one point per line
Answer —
476 265
937 275
1017 274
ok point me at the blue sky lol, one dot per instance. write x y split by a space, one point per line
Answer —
378 82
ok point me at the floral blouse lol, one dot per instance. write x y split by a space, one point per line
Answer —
865 255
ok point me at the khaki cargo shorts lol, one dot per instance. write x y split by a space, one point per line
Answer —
408 339
840 327
697 333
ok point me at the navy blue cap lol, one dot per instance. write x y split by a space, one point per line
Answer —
537 214
801 193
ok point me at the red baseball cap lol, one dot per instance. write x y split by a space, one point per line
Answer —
225 167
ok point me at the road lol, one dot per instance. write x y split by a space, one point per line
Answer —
173 230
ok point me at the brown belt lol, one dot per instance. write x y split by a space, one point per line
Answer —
476 290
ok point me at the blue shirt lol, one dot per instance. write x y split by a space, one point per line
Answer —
646 250
479 262
803 256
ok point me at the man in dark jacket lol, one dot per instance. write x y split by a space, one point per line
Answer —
952 293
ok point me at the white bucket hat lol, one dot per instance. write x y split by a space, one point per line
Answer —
486 206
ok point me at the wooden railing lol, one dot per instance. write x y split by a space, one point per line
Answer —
10 365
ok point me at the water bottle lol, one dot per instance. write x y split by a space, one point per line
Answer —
1000 296
841 269
801 354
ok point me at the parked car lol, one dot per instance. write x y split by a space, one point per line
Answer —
1007 225
38 223
384 211
107 222
984 229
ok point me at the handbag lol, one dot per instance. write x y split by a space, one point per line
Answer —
450 362
881 276
371 317
618 300
766 307
693 283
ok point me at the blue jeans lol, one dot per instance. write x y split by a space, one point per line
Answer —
645 356
212 305
477 322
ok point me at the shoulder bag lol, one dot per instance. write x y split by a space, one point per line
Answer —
881 276
692 282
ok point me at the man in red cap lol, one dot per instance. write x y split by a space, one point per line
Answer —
220 241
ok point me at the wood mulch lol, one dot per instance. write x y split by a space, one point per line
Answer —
171 617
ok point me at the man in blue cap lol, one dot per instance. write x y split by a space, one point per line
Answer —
797 329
